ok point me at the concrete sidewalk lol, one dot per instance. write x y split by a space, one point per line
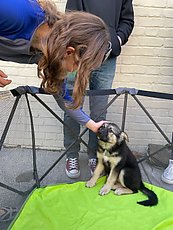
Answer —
16 171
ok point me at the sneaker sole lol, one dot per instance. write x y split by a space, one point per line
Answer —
72 176
166 180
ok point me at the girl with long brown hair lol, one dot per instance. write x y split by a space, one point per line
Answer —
34 31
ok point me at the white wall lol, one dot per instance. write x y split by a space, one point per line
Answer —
146 63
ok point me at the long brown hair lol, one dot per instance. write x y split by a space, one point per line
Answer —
51 11
89 36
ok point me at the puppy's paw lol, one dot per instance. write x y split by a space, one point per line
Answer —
105 190
117 185
121 191
118 191
91 183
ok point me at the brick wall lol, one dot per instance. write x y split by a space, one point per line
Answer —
146 62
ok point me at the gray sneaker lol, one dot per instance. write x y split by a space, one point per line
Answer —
92 165
72 168
167 175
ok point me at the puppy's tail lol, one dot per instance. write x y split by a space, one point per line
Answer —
152 197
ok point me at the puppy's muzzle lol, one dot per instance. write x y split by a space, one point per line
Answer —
102 134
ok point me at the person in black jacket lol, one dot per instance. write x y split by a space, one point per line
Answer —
119 17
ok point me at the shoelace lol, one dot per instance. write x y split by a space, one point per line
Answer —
73 164
93 161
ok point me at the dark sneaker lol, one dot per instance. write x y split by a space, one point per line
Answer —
72 168
92 164
7 214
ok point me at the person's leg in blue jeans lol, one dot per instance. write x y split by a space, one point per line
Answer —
72 155
101 78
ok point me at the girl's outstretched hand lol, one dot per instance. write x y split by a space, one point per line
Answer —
94 126
3 79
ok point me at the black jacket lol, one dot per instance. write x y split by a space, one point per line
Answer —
117 14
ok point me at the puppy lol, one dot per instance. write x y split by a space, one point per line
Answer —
119 164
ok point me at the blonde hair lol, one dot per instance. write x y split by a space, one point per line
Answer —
89 36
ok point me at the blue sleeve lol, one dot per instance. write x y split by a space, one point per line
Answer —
19 19
77 114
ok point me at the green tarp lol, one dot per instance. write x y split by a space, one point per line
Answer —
75 207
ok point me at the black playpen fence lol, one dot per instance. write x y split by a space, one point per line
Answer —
35 92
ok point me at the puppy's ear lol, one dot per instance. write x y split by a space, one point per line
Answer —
123 137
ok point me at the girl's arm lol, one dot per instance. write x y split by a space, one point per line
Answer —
77 114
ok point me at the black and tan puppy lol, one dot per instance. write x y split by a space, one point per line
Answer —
120 165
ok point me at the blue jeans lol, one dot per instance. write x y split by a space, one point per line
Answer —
101 78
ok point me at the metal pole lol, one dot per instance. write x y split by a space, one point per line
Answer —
9 122
124 112
33 144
